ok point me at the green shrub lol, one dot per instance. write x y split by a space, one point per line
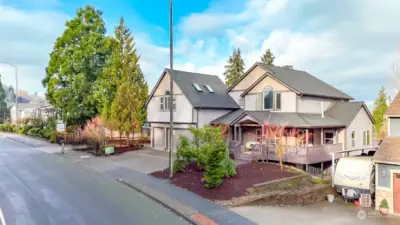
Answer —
2 127
21 130
228 165
214 171
53 136
384 204
14 128
184 154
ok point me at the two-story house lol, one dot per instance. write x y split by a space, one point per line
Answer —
387 161
198 99
299 101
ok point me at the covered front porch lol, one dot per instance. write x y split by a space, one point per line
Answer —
303 144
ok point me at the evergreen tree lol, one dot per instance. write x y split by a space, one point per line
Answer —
380 107
4 110
76 62
268 57
127 108
235 68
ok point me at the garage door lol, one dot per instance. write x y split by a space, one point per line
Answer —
179 133
158 138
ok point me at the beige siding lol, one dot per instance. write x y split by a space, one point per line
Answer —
248 80
341 135
164 85
360 123
308 104
268 82
183 113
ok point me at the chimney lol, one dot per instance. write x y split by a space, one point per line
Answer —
322 109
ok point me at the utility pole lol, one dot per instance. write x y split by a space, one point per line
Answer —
16 89
171 84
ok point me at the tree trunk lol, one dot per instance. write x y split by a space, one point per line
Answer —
127 138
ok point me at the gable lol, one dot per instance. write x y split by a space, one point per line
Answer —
268 82
249 78
164 85
394 107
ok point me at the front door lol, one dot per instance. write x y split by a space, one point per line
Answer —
396 193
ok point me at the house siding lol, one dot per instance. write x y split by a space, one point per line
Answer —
249 79
268 82
360 123
160 132
165 85
394 127
307 104
384 182
235 95
183 113
288 101
208 115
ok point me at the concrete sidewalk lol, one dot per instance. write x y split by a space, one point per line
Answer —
170 195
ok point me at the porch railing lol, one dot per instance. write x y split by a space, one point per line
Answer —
235 149
297 154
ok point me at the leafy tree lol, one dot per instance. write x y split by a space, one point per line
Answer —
380 107
235 68
76 62
4 110
10 95
268 57
127 108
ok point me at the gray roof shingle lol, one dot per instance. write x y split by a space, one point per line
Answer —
228 118
217 100
292 119
304 83
346 111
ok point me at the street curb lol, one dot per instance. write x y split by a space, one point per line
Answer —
165 203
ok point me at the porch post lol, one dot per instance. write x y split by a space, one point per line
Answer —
336 136
240 134
322 136
262 141
307 137
229 134
322 170
234 133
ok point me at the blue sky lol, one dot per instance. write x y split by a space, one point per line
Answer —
349 44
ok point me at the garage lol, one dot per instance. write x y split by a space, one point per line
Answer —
159 138
178 133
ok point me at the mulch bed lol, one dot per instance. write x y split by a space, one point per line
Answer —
247 175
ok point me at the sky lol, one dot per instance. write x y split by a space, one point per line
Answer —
351 44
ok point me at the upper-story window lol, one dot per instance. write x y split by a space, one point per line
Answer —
268 98
165 101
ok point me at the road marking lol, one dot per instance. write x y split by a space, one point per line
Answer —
2 220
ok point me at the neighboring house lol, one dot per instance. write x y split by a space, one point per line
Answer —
297 100
198 99
25 110
387 161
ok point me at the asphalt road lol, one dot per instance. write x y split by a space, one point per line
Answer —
39 188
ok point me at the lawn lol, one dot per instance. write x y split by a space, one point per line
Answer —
247 175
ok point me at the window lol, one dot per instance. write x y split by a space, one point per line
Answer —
268 98
209 88
353 139
241 101
197 87
278 101
162 103
368 138
165 104
329 137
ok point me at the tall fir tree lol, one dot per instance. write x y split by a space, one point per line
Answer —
380 107
268 58
4 110
126 77
76 62
234 70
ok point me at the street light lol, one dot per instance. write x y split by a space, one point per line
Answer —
16 89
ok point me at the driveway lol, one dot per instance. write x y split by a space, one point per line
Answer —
318 214
146 160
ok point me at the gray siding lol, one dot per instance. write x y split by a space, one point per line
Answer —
360 123
183 113
308 104
394 127
385 181
208 115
